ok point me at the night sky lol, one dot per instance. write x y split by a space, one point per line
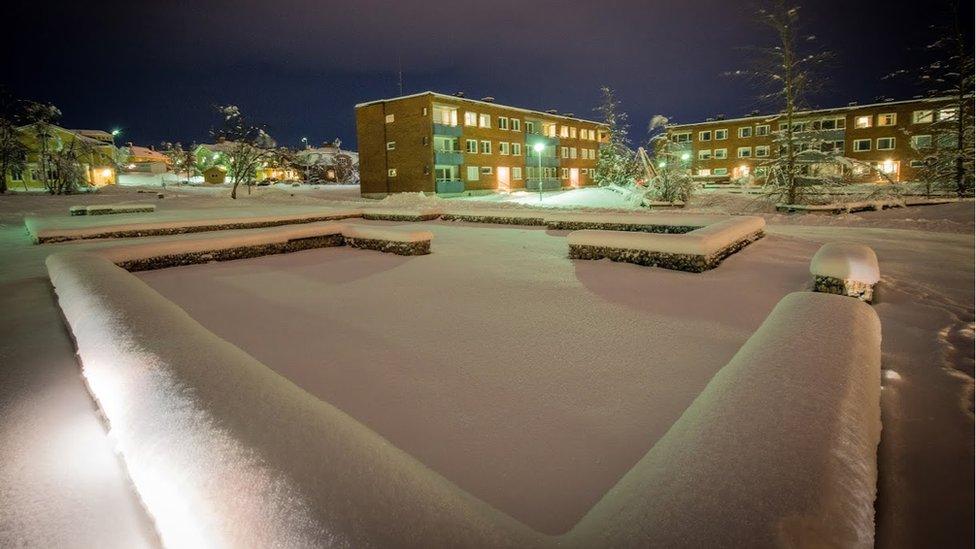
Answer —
155 69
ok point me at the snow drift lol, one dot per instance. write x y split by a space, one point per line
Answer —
779 448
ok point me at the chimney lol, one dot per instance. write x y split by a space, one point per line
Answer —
754 113
852 104
888 100
720 117
570 114
459 94
710 119
488 99
552 111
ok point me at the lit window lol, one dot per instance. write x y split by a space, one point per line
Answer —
473 174
503 147
564 173
389 118
391 172
572 132
886 143
705 136
470 119
889 167
745 132
486 147
572 152
745 152
705 172
564 131
517 173
862 122
721 134
484 121
564 152
887 119
921 141
390 145
947 114
861 145
923 117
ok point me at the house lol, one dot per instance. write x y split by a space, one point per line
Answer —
329 163
214 175
146 160
433 142
888 138
95 156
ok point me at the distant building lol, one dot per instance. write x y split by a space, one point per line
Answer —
433 142
890 137
146 160
98 163
329 163
214 175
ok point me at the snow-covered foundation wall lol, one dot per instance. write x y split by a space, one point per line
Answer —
779 448
845 268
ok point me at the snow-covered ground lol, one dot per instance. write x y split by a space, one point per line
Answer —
925 301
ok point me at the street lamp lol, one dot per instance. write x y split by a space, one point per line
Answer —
538 148
115 133
305 162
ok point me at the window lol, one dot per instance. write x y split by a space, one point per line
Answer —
517 173
529 127
887 119
503 147
916 163
471 146
572 152
563 131
762 129
862 122
745 131
516 124
705 172
549 129
720 154
572 132
502 123
486 147
886 143
484 121
486 170
446 173
705 154
947 141
445 115
761 171
516 149
861 145
947 114
830 124
721 134
390 145
836 147
762 151
745 152
923 117
705 135
391 172
564 152
473 174
423 112
720 171
564 173
683 137
921 141
389 118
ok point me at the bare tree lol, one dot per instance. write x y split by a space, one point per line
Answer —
41 118
250 145
66 162
183 160
786 74
615 163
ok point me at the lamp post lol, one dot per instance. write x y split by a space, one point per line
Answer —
305 162
115 133
538 148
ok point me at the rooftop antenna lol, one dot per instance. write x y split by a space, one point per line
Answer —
399 75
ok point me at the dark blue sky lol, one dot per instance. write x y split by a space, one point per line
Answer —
155 68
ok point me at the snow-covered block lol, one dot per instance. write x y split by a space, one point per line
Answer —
224 452
78 210
402 214
845 268
395 240
650 223
208 247
696 251
107 209
500 217
778 450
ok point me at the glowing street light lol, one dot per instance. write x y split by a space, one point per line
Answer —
685 157
538 148
115 132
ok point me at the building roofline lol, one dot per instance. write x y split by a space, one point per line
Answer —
465 99
811 111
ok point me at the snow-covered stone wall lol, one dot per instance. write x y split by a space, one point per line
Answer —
845 268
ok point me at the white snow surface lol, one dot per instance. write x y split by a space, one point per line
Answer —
392 234
846 261
669 219
705 241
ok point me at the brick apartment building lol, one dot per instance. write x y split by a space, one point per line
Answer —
891 136
433 142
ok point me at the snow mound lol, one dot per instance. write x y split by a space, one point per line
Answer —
391 234
778 450
846 261
706 241
672 220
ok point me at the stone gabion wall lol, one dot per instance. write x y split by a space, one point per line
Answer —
850 288
162 231
631 227
389 246
110 211
497 219
400 217
676 262
244 252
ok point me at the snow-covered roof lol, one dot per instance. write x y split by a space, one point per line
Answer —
146 152
476 101
811 111
100 135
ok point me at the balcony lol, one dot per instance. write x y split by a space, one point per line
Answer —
531 139
449 186
444 129
548 184
531 160
449 158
